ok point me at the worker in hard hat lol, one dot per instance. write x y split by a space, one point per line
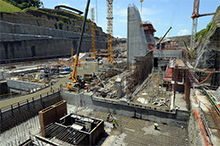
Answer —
109 114
156 126
102 118
113 123
51 88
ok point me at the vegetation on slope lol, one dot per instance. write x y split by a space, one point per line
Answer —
205 32
23 4
6 7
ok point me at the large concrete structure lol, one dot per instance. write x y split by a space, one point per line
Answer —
26 37
136 40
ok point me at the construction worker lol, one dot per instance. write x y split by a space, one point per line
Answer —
109 114
87 88
51 88
102 118
60 86
156 126
113 123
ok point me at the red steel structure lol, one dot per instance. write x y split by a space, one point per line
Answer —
195 16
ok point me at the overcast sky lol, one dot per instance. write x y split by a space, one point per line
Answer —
161 13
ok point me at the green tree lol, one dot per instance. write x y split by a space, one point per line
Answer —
22 4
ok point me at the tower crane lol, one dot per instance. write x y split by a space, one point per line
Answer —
195 16
93 33
110 31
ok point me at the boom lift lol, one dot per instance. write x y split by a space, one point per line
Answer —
77 80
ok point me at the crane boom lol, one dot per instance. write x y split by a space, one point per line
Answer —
74 74
163 38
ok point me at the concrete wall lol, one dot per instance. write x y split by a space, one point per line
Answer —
195 137
180 118
97 134
136 40
17 28
26 37
145 65
173 54
33 49
9 118
22 85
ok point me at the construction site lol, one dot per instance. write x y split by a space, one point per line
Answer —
101 90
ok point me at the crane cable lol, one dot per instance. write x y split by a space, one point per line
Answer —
141 5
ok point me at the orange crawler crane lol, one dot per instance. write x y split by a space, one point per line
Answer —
78 82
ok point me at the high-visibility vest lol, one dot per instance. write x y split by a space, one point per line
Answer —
113 122
155 124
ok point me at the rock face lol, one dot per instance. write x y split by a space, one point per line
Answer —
39 34
209 48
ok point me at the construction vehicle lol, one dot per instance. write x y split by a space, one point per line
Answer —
77 81
158 44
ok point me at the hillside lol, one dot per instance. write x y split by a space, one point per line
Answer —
6 7
207 48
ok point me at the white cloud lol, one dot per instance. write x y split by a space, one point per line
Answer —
118 36
183 32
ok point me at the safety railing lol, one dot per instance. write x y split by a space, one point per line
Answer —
28 101
29 91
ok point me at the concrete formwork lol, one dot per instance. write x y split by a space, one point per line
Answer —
145 65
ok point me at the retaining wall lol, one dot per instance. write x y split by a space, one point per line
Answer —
42 48
195 137
22 85
178 118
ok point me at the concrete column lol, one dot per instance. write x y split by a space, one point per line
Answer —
119 87
175 84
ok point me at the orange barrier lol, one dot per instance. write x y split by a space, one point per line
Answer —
205 78
202 131
206 106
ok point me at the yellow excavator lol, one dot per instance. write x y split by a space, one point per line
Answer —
77 81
